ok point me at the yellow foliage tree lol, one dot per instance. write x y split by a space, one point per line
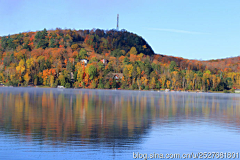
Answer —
51 80
152 83
29 63
133 51
27 78
80 72
168 84
128 70
21 67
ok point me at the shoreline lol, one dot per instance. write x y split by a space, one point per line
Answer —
170 91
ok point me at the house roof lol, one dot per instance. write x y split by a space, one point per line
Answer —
118 74
112 75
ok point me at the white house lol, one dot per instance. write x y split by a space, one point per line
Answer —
117 76
85 61
104 61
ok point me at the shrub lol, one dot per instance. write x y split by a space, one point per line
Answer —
107 85
225 91
68 85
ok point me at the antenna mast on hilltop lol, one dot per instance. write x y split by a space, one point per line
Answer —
117 21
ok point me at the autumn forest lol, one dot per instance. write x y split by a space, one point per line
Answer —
106 59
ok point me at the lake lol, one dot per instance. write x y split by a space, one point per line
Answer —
37 123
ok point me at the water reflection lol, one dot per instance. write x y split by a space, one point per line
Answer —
107 118
88 116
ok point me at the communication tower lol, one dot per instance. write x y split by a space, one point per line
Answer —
117 21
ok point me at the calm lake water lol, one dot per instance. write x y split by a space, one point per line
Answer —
51 124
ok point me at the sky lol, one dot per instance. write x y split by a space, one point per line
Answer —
193 29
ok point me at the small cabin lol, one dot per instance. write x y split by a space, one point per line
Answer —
115 76
104 61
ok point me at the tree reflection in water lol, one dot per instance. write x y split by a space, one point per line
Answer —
102 117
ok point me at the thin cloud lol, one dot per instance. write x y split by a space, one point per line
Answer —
176 31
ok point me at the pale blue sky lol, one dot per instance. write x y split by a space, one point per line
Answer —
195 29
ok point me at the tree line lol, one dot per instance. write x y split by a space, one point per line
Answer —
54 57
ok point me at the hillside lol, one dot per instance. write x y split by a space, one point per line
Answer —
114 59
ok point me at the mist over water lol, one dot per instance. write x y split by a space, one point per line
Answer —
40 123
